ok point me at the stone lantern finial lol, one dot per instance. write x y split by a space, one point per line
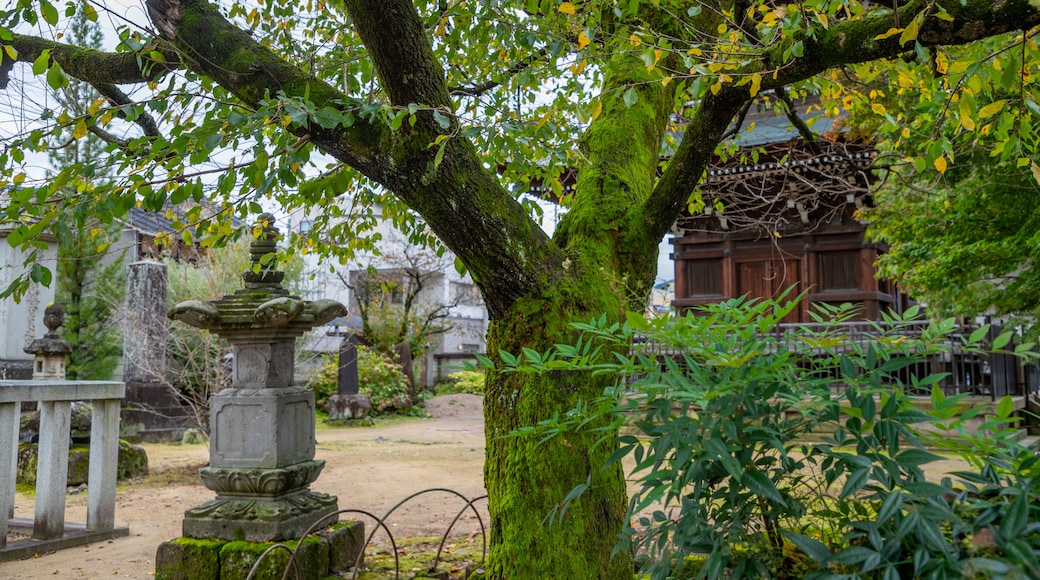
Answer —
51 349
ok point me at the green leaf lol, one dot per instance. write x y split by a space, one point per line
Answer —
1002 340
637 321
1005 407
507 358
630 97
1015 518
56 78
49 12
852 555
759 483
815 549
40 274
855 482
443 120
39 65
916 457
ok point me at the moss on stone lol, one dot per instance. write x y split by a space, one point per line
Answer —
237 559
132 462
188 559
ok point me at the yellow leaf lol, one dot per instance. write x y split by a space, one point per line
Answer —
657 55
823 20
583 40
940 164
597 108
959 67
878 108
891 32
910 33
756 83
12 53
942 64
635 40
665 81
992 108
715 88
695 52
442 27
905 133
80 131
19 179
566 8
966 114
1035 170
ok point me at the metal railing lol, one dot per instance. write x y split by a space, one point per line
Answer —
55 399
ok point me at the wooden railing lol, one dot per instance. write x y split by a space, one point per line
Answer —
55 397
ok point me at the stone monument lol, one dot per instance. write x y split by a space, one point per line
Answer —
152 411
262 427
348 404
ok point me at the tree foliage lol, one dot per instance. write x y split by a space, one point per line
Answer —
442 113
90 284
960 195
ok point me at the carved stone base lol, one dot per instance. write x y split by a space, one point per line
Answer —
259 519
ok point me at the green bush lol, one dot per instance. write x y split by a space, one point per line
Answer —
467 382
378 377
719 421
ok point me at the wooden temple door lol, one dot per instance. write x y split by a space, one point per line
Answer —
768 279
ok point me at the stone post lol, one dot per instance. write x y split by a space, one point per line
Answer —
52 467
153 411
262 427
348 404
144 335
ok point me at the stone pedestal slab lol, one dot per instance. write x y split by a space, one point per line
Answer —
261 428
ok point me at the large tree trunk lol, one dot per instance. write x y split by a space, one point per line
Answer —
531 535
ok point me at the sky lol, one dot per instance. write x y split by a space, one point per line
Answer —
26 96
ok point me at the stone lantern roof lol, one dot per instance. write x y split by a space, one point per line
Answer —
263 306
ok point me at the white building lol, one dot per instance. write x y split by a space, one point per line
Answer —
399 273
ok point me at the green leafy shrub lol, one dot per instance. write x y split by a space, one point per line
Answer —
721 417
378 377
467 382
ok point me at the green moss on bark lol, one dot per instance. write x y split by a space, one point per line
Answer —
527 481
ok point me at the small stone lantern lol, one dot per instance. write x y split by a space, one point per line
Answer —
51 350
262 427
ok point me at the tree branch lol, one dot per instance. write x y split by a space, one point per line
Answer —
686 169
88 64
118 98
476 90
799 124
855 41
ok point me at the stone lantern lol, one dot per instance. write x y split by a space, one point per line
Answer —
51 350
262 427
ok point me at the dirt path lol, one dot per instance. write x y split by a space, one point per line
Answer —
367 468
